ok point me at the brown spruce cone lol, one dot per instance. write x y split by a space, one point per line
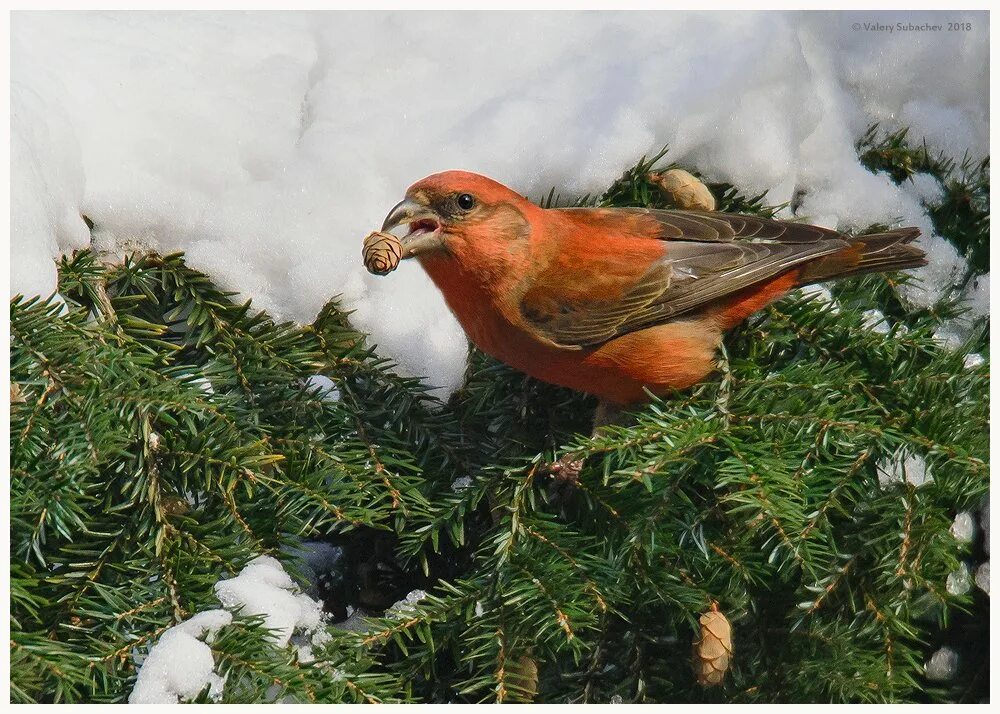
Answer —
712 648
683 190
522 675
381 253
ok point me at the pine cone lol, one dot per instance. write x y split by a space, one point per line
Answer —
712 648
381 253
683 190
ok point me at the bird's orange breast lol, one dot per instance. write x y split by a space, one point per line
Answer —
670 356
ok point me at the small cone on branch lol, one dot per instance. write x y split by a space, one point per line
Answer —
16 395
522 674
381 253
712 648
683 190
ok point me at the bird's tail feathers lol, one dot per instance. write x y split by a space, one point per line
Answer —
874 253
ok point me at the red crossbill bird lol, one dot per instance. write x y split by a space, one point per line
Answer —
616 302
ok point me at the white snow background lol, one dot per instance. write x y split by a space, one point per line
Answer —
266 146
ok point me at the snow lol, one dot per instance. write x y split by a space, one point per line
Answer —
945 267
948 336
49 187
924 188
903 467
406 605
959 582
305 642
461 483
977 296
822 295
974 360
875 321
942 665
964 527
180 665
976 300
204 384
983 577
264 588
327 387
266 146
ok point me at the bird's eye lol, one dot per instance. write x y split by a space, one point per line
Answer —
466 201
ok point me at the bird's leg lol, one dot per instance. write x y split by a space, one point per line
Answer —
606 414
568 467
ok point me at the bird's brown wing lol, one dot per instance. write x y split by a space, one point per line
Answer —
709 256
714 226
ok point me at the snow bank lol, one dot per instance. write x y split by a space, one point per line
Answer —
267 145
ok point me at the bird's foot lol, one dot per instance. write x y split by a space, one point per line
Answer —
566 470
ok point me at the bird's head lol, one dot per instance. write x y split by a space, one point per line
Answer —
460 215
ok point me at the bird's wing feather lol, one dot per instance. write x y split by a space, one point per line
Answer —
712 226
709 256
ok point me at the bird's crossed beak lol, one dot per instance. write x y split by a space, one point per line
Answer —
425 227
